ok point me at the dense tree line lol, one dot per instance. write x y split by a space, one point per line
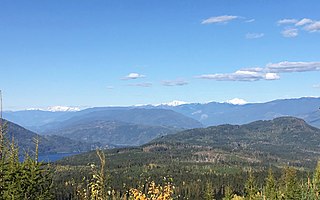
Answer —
30 179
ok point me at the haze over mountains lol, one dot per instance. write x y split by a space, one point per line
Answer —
138 125
224 113
113 133
47 144
208 114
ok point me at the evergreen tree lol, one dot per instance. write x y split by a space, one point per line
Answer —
307 191
271 188
208 192
22 180
227 193
251 189
316 180
290 188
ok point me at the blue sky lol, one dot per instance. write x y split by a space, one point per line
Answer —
100 52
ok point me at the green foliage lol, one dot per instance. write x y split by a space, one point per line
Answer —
316 180
228 194
275 142
199 170
97 185
290 188
270 186
251 189
22 180
48 144
208 192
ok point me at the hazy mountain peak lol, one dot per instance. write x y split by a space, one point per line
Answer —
237 101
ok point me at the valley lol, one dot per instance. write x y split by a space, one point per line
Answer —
138 150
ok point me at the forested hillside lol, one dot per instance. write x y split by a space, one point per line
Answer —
47 144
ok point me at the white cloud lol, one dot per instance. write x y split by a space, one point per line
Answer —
133 76
313 27
287 21
174 83
254 69
272 76
219 19
270 72
303 22
110 87
294 25
144 84
316 86
254 35
237 101
241 75
290 32
250 20
286 66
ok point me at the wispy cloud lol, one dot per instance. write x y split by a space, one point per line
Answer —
174 83
292 26
290 32
250 20
133 76
241 75
110 87
313 27
270 72
219 19
254 35
303 22
286 67
144 84
316 86
287 21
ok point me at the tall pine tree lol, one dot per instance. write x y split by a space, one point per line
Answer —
251 189
290 188
271 186
208 192
316 180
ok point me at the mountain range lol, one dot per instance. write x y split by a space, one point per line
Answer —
283 138
46 121
279 141
24 139
112 133
208 114
214 113
132 126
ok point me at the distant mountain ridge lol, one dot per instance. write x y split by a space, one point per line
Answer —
47 144
279 142
208 114
121 127
57 109
113 133
151 117
214 113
